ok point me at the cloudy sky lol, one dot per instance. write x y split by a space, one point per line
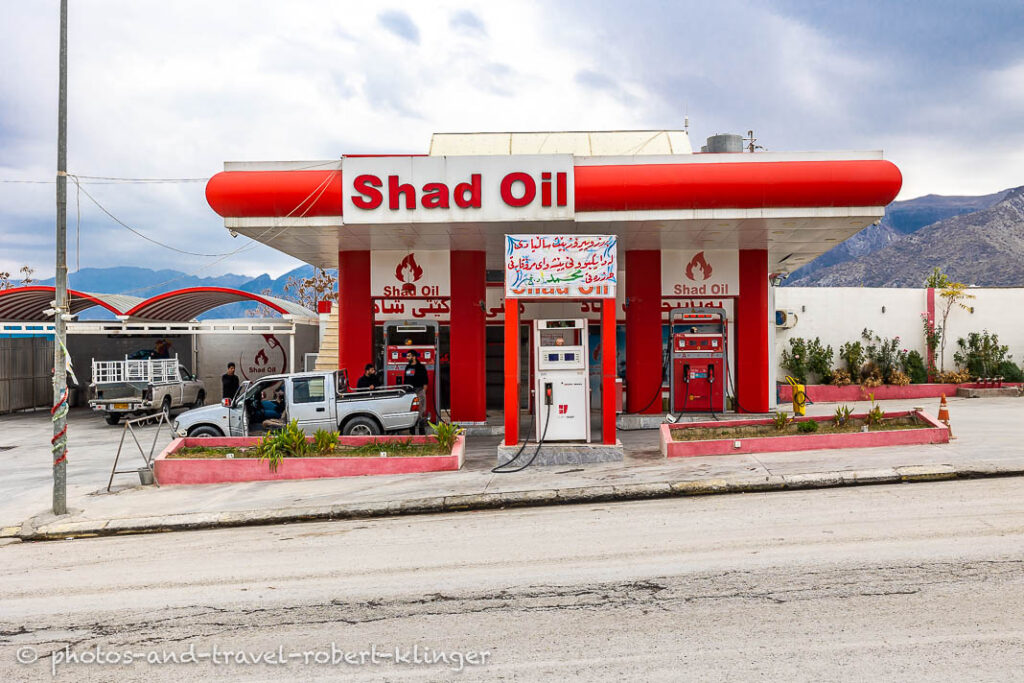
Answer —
172 89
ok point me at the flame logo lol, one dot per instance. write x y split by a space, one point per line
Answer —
698 262
408 270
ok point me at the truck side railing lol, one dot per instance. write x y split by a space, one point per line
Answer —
150 370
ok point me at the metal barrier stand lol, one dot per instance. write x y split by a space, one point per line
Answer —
129 425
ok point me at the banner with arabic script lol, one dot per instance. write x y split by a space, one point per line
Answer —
560 266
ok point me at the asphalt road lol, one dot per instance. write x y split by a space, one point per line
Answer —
911 582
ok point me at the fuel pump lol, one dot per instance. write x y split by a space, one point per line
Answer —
561 380
403 336
699 355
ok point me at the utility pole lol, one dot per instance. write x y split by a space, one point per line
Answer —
60 379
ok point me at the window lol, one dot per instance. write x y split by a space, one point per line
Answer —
308 390
185 374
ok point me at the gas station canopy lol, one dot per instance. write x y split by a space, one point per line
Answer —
643 186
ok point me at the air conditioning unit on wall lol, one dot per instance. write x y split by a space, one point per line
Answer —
785 319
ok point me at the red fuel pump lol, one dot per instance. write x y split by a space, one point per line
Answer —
401 337
699 357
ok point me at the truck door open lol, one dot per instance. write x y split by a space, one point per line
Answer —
311 404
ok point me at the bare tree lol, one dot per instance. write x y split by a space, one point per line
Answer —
308 291
5 279
26 275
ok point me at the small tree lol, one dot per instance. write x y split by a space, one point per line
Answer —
937 279
5 279
26 275
954 294
307 291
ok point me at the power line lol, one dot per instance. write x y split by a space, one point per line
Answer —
133 230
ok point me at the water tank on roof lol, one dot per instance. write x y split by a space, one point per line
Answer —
724 142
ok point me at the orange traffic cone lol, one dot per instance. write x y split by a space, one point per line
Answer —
944 415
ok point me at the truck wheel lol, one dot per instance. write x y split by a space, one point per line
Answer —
361 426
112 418
204 430
200 399
165 408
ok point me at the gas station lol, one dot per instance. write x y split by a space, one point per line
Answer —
683 305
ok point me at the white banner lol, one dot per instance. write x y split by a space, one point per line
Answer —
700 273
517 187
560 266
410 274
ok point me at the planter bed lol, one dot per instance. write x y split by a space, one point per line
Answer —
173 467
760 436
829 393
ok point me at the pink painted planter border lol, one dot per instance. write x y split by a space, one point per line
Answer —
221 471
936 433
828 393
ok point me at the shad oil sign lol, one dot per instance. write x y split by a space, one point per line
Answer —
700 273
560 266
457 189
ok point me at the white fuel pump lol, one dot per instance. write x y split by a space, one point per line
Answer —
561 380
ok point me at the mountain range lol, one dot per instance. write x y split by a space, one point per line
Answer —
901 219
983 247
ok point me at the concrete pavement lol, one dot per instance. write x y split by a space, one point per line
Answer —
989 433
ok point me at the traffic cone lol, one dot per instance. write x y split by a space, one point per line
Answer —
944 415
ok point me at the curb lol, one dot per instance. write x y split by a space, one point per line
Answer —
491 501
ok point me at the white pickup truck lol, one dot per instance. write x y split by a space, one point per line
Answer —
318 400
142 386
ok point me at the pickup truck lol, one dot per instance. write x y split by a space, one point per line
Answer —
142 386
318 400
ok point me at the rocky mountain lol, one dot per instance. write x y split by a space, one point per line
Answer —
901 219
984 248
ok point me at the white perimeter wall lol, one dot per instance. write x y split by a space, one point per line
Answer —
838 314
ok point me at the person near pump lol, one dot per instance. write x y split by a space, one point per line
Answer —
229 382
415 375
371 378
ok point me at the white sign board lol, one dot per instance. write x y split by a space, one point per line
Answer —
560 266
700 273
458 189
410 274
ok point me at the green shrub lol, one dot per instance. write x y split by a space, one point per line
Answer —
780 419
1010 371
807 427
288 442
852 354
808 359
883 354
841 415
981 355
324 441
913 366
447 433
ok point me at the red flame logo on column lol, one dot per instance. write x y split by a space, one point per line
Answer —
408 271
701 265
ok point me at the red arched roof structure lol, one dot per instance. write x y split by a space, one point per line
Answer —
29 304
186 304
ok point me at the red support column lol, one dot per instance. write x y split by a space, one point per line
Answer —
608 371
644 348
511 371
355 313
468 337
751 353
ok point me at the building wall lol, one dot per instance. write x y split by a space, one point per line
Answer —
838 314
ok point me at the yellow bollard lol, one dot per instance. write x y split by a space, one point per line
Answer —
799 396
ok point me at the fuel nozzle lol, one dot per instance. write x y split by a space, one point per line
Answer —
548 393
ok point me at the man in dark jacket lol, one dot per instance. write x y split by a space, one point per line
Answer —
415 375
229 382
370 378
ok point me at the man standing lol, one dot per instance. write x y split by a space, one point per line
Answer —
229 382
370 378
416 376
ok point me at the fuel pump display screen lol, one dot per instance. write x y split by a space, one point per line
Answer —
553 357
570 356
